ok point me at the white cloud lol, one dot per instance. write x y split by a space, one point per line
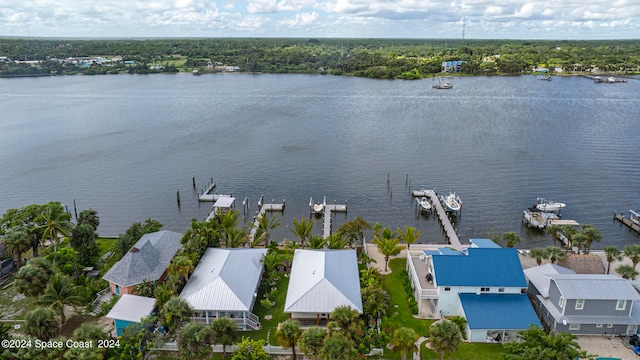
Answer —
302 19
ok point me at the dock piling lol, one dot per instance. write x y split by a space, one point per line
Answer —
193 181
178 196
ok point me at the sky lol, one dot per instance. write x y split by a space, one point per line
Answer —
477 19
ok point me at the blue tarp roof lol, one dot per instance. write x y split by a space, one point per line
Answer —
498 311
481 267
484 243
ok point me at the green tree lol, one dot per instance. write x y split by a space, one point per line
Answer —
33 278
266 223
87 332
55 222
510 239
568 231
613 254
181 266
592 234
195 341
235 237
60 292
353 231
89 217
336 241
311 341
41 323
461 323
288 334
409 235
174 312
534 344
338 347
249 349
18 242
632 251
555 253
225 332
404 340
444 337
302 229
553 230
317 242
387 243
627 271
580 241
539 254
27 217
83 240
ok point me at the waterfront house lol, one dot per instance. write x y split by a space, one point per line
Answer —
146 260
225 284
130 310
321 281
452 66
593 304
484 283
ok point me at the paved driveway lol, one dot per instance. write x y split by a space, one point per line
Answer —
606 347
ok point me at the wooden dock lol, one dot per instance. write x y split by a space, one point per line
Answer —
449 231
327 209
262 210
627 221
208 195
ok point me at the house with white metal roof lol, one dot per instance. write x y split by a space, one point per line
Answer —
484 283
321 281
225 284
148 259
130 310
591 304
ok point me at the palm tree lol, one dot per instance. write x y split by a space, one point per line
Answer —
404 340
627 271
311 341
302 229
89 217
235 237
174 312
568 231
229 219
553 230
538 254
580 241
224 333
266 223
55 222
633 253
387 244
195 341
181 266
317 242
612 253
593 235
32 279
510 239
18 241
336 241
147 288
409 235
344 320
288 334
41 323
444 337
555 253
60 292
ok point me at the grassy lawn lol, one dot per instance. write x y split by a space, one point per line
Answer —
277 312
466 351
10 309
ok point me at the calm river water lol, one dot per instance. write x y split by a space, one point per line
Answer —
123 145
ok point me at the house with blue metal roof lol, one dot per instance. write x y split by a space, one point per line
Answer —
482 283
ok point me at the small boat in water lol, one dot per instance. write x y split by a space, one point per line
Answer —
424 204
442 85
451 203
549 206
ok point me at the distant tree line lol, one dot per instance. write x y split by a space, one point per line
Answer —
374 58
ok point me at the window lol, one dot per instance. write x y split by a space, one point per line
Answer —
579 304
598 325
485 289
609 326
574 326
447 289
621 304
500 289
561 302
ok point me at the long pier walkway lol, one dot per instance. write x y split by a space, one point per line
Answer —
627 221
327 209
262 210
449 231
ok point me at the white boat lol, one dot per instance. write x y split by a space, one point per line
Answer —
424 203
442 85
451 202
634 216
549 206
318 208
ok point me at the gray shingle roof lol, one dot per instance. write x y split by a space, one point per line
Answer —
595 286
322 280
146 260
225 280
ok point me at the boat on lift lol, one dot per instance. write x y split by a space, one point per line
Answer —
424 204
549 206
451 203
